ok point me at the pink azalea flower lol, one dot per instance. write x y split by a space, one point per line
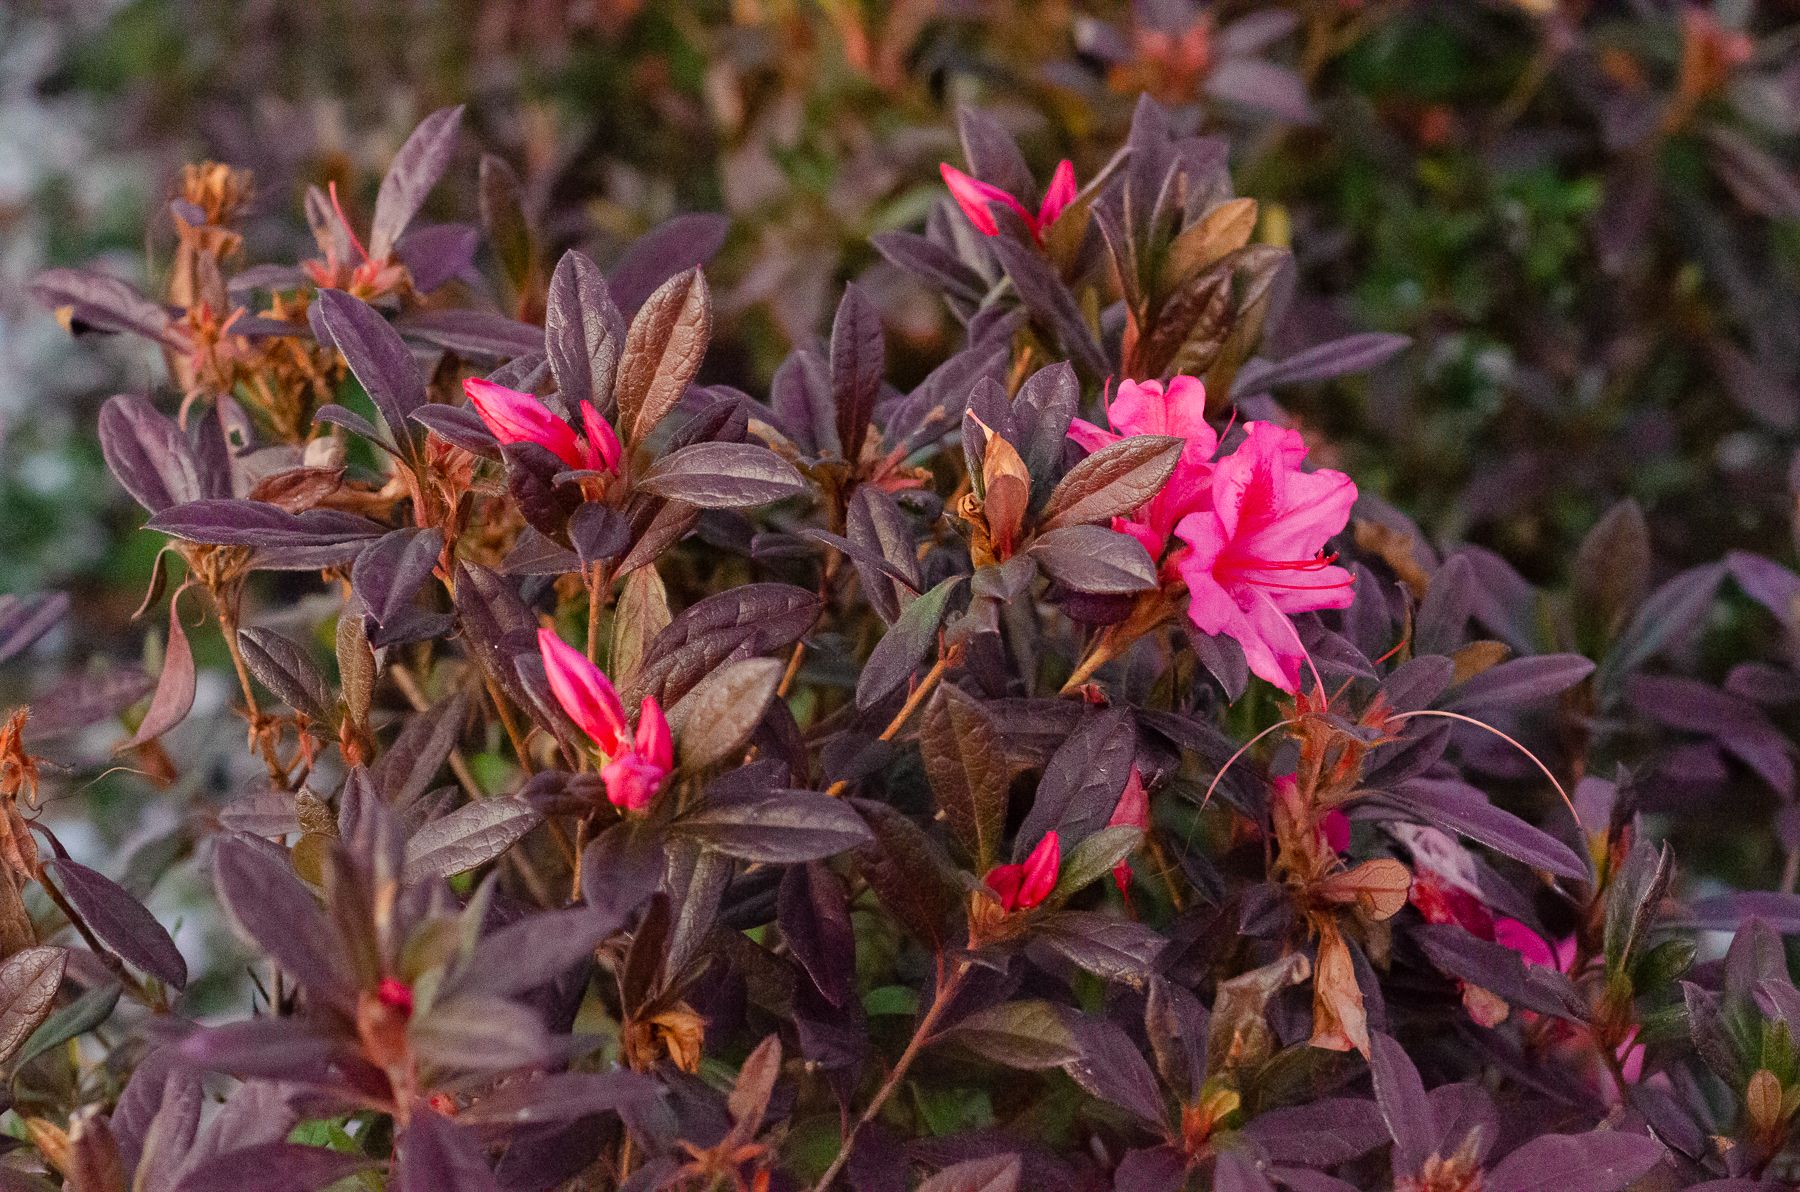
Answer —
1133 811
974 196
1334 826
516 417
633 765
1528 944
1151 408
1028 883
1255 557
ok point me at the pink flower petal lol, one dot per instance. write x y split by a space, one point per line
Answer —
973 196
1059 195
654 744
584 693
516 417
1040 872
1527 943
603 448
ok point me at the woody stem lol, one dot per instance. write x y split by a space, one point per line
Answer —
228 629
921 1039
918 696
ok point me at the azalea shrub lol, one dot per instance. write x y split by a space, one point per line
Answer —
1041 772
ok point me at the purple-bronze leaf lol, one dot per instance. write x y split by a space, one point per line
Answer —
685 242
383 364
174 696
148 454
287 670
29 980
782 828
907 643
467 838
744 622
1602 1161
120 921
421 161
858 356
723 476
584 333
663 349
1400 1094
272 910
1094 560
273 1167
291 541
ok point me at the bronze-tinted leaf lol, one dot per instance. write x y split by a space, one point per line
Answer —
714 720
28 984
663 350
1113 481
965 760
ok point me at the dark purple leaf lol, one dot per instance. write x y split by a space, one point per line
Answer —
289 541
273 1167
1050 302
278 1048
744 622
1112 949
1237 1172
723 476
357 425
148 453
421 161
120 921
459 426
1520 681
437 253
467 838
287 670
272 910
1321 362
390 572
1400 1094
1603 1161
1457 807
480 1033
536 950
584 333
477 333
814 913
562 1097
1499 970
1263 85
1094 560
967 766
1109 1066
995 1173
87 301
1081 784
1319 1134
406 768
783 828
858 356
685 242
383 364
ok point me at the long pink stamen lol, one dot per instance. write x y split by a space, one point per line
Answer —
345 220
